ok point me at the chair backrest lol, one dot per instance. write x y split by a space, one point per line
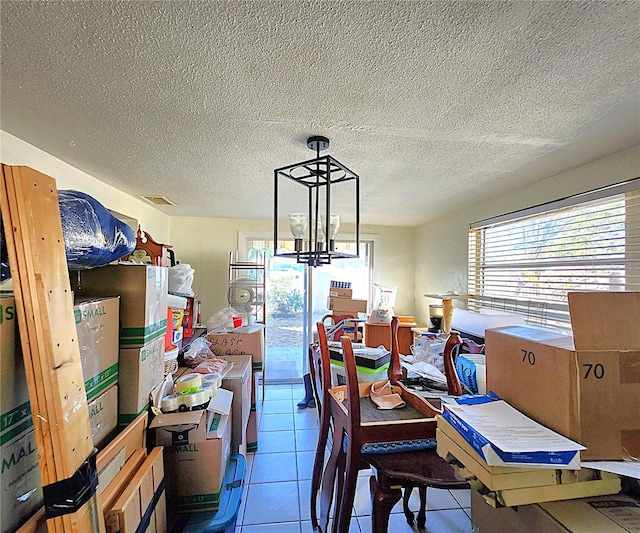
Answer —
353 391
334 319
320 367
395 371
473 346
451 349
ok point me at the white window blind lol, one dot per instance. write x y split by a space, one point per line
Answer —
526 262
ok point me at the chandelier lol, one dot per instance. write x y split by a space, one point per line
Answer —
313 224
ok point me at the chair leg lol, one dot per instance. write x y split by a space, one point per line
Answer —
405 504
318 467
329 478
344 505
382 501
422 513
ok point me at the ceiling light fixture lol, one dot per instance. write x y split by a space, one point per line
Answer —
315 226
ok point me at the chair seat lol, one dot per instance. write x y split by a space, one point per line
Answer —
422 467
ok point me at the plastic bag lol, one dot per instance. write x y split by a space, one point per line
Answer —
198 351
383 301
181 279
220 321
93 237
212 366
429 350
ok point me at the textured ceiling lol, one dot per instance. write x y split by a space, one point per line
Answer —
433 103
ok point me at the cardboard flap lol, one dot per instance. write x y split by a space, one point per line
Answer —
221 402
605 320
177 420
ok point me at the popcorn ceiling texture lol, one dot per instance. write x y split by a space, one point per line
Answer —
432 103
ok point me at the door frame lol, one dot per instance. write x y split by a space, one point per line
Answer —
307 328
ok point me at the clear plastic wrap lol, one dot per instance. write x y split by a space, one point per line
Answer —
4 257
93 237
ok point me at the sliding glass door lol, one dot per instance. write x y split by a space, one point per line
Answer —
296 298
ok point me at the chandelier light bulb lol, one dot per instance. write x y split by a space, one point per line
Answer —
299 225
333 228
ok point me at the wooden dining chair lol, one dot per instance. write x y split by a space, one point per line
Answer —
357 423
334 319
431 470
454 387
320 369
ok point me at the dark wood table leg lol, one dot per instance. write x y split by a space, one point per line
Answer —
383 498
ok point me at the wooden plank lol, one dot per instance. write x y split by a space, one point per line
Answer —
131 505
44 306
131 438
118 484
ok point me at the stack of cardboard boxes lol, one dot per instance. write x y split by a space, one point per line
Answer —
244 343
97 324
143 292
340 301
197 447
199 443
97 329
20 477
585 386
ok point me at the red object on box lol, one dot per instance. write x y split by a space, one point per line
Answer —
237 321
188 320
168 336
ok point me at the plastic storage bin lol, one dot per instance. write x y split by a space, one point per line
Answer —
224 519
338 374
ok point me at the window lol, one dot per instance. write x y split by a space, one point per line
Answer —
526 262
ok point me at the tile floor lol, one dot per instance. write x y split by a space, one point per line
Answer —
279 477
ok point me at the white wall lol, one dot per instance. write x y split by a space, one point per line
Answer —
205 243
14 151
446 270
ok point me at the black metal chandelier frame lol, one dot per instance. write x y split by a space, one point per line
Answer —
316 174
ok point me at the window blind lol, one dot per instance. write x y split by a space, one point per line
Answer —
527 261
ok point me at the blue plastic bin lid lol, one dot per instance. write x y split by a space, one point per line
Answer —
227 513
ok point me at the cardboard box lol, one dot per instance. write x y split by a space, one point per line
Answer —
97 325
141 370
252 432
245 340
194 464
238 380
255 387
339 292
186 426
20 484
15 411
585 387
143 291
21 492
103 416
347 306
614 514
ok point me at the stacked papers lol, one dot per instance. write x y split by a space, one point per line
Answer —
503 436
